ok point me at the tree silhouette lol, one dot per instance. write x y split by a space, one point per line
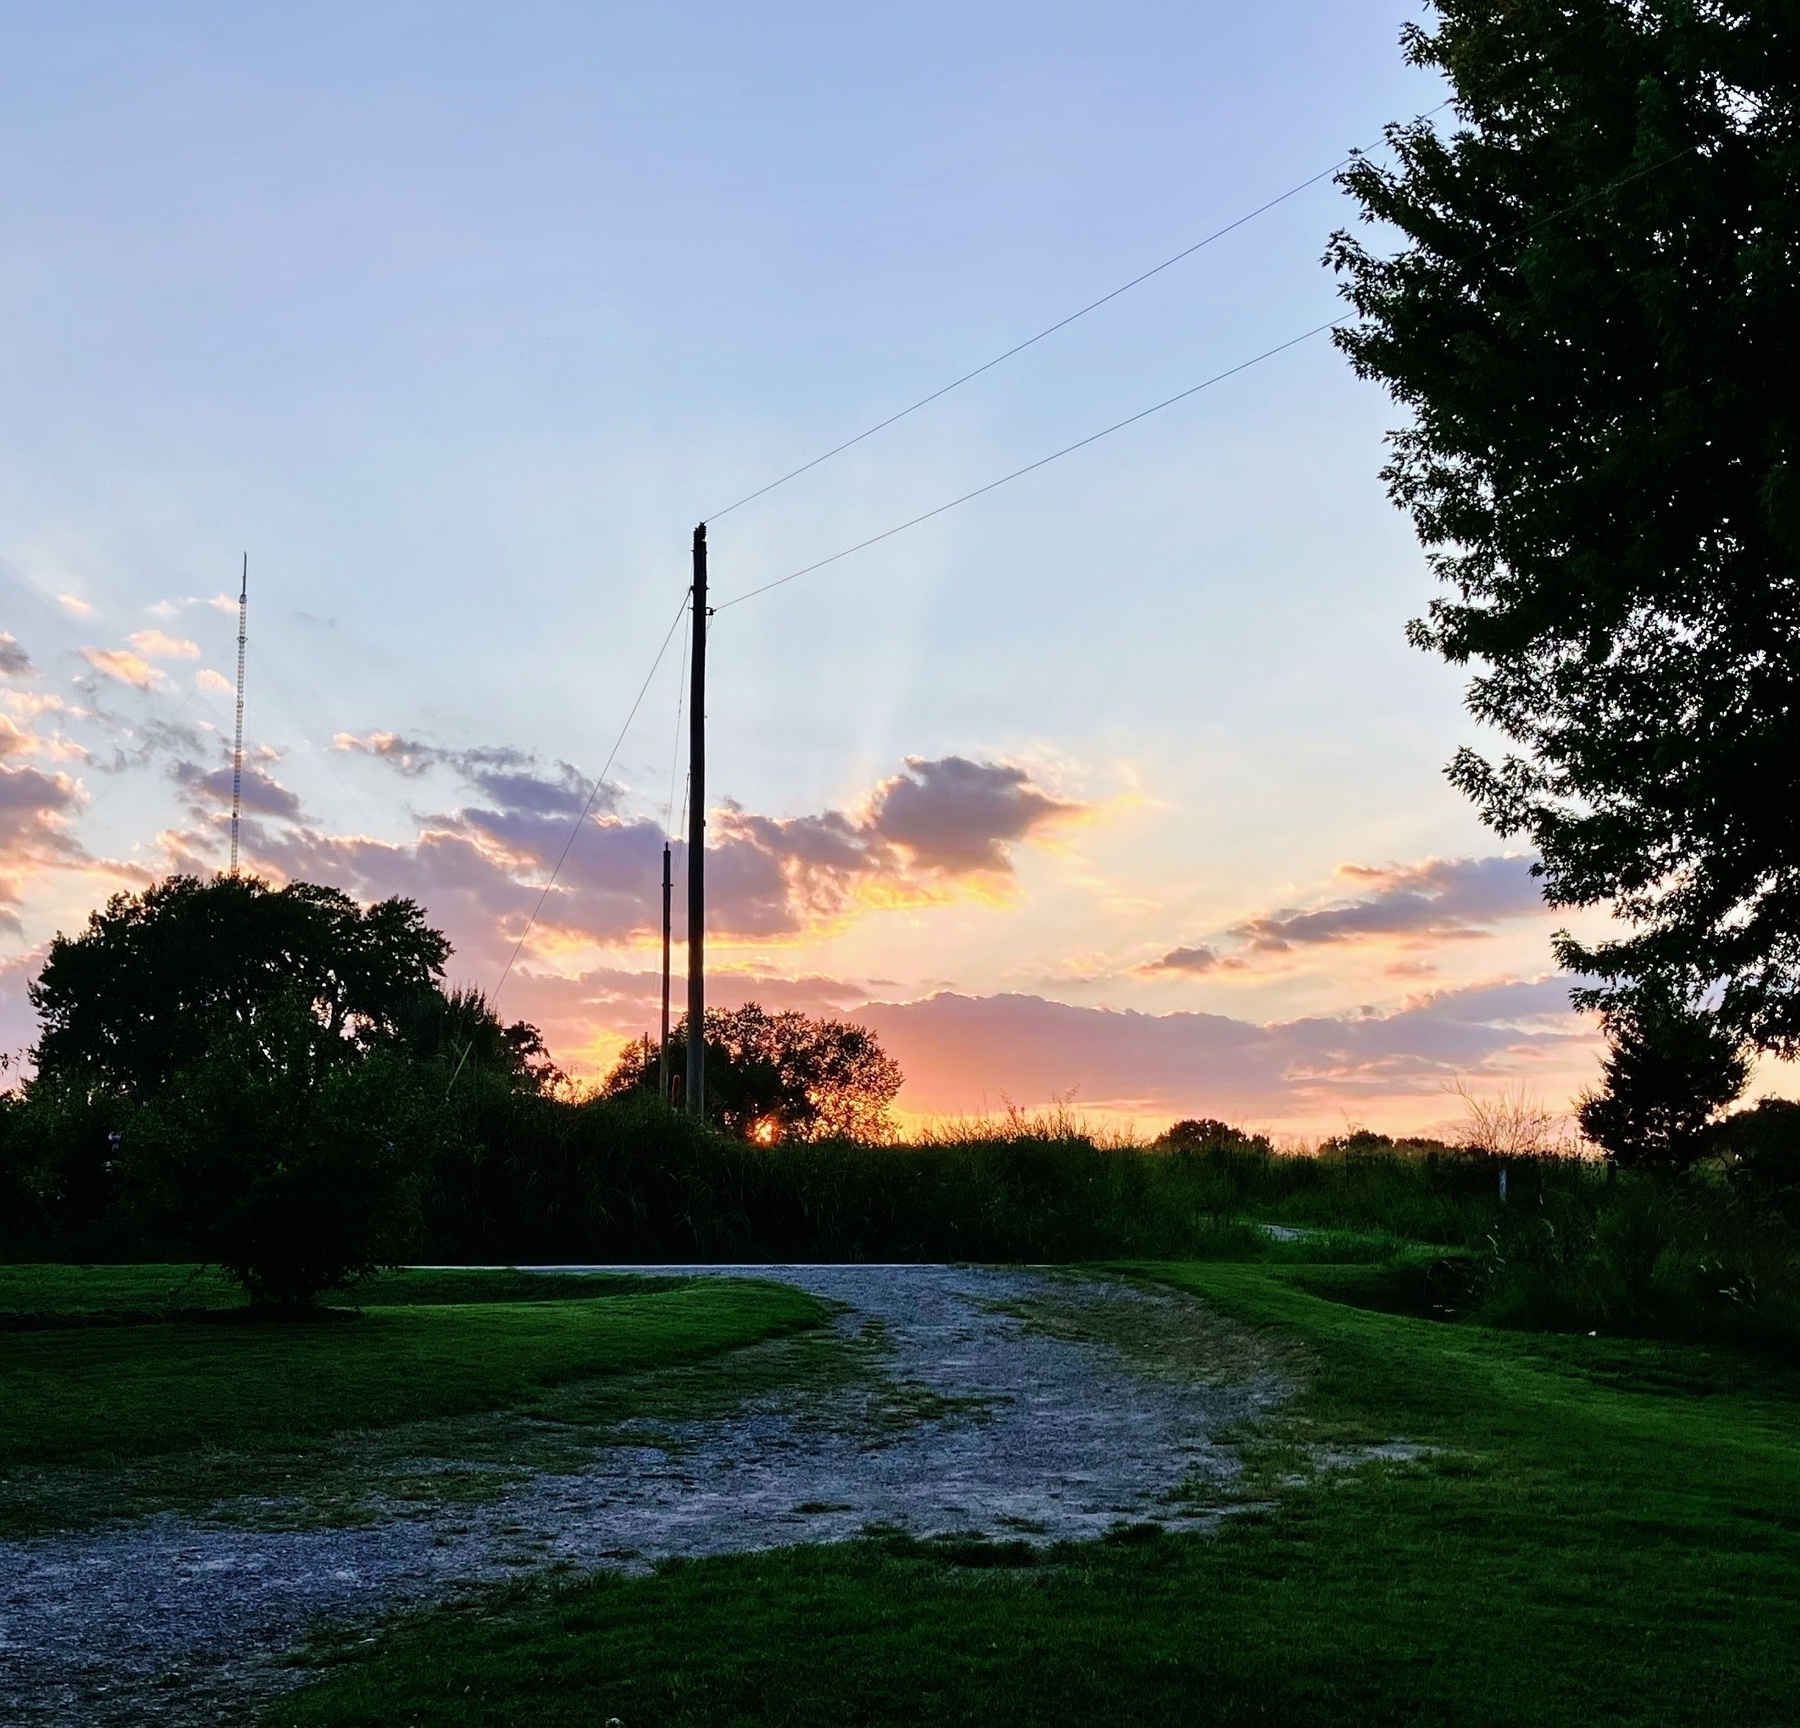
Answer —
1669 1070
779 1076
139 995
1594 318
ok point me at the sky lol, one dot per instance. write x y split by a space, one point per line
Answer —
1117 785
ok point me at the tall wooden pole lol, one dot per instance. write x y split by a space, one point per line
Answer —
662 1067
696 858
237 748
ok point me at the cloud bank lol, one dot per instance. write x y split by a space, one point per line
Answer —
967 1054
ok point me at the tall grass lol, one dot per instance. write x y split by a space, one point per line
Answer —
1571 1244
628 1180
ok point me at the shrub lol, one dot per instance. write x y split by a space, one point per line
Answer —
1759 1150
286 1157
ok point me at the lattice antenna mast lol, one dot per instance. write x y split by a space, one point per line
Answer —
237 748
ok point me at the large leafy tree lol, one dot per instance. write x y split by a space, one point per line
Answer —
779 1076
142 993
1593 316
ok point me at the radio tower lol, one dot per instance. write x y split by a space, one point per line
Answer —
237 748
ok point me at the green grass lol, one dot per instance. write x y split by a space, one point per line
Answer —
1602 1531
427 1345
31 1292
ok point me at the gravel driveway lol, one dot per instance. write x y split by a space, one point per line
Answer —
1017 1403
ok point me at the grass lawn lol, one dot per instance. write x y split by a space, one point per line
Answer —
1604 1532
424 1345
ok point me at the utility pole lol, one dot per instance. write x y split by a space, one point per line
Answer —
696 858
237 749
662 1067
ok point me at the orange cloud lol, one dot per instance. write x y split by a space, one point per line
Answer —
158 646
122 664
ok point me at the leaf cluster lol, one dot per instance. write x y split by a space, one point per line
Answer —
1593 318
142 992
789 1075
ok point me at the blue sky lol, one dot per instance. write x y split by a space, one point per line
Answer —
457 319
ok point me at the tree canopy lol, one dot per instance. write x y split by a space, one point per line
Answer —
1593 317
1668 1071
786 1076
261 1077
138 995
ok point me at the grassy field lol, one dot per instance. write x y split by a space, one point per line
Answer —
94 1373
1598 1531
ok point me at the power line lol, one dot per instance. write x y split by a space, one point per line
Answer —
562 857
1060 324
675 754
1182 395
1042 461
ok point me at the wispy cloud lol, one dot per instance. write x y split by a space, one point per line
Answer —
125 666
1193 962
261 793
1396 906
14 661
1440 899
157 645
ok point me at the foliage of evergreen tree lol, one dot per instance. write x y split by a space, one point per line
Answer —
1669 1069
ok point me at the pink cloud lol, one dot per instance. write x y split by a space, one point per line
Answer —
767 877
35 808
14 661
965 1054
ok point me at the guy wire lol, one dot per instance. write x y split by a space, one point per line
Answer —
562 857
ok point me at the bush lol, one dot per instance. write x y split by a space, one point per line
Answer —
1759 1152
286 1157
1641 1256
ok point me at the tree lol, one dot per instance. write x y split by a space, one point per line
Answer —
459 1033
141 993
1760 1151
1594 319
285 1154
1669 1070
779 1076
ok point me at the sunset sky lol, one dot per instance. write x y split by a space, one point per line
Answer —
1119 782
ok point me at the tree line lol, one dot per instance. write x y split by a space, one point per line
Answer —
279 1082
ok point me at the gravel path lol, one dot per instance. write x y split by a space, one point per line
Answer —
1010 1402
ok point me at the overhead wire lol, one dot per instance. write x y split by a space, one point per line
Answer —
684 609
1041 462
1170 401
680 708
1060 324
563 856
